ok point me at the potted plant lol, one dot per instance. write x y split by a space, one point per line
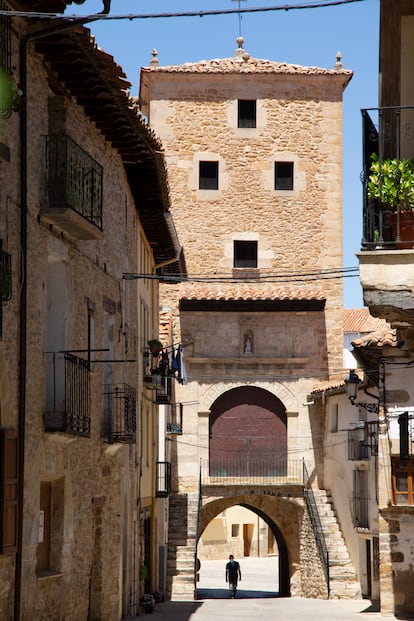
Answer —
155 346
391 181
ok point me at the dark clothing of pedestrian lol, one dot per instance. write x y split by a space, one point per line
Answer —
233 574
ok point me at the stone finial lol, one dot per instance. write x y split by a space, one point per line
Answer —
240 51
154 59
338 64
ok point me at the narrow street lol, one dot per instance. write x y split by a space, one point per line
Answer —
257 599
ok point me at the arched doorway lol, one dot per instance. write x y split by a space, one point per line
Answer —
248 434
281 584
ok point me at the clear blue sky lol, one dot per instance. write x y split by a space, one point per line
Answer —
310 36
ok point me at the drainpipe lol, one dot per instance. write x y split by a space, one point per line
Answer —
23 293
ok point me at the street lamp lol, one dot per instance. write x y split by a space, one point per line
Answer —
352 382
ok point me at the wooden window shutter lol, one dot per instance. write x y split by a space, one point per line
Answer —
9 467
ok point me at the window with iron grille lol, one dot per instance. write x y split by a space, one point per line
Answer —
208 175
283 175
163 479
246 110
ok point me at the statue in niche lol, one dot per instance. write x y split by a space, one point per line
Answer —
248 345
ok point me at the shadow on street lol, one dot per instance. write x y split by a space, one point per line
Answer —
241 594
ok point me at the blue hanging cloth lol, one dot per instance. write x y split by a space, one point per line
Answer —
179 366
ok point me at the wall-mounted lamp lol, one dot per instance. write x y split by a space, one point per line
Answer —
352 382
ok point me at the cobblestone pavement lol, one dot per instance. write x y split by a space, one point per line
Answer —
257 600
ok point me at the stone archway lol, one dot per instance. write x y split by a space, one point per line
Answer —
284 518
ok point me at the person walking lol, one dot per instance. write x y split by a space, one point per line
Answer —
233 574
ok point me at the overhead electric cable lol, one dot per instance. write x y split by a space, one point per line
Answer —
199 13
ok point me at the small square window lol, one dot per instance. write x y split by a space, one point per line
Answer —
245 253
246 113
208 179
235 530
283 175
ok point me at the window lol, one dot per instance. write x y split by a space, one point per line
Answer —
246 116
402 481
360 498
283 175
245 253
235 530
208 176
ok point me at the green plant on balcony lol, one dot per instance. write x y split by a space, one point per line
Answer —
391 181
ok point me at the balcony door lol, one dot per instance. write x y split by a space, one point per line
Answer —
248 434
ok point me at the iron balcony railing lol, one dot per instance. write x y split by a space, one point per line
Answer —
388 178
260 472
163 479
120 416
74 179
68 404
317 526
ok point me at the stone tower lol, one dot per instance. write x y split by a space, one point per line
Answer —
254 157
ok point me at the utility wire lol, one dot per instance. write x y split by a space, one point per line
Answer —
200 13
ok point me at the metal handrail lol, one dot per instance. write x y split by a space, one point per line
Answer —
316 524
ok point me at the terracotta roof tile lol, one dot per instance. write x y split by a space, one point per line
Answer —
239 64
360 320
249 292
378 339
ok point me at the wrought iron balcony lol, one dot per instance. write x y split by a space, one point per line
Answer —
388 178
74 189
163 479
157 375
248 471
120 418
68 394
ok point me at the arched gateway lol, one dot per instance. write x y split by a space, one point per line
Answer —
277 514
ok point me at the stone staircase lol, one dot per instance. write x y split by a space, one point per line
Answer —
343 579
182 535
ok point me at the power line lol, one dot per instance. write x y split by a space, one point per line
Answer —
199 13
272 278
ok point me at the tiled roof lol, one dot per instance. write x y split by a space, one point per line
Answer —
378 339
249 292
360 320
242 62
252 65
